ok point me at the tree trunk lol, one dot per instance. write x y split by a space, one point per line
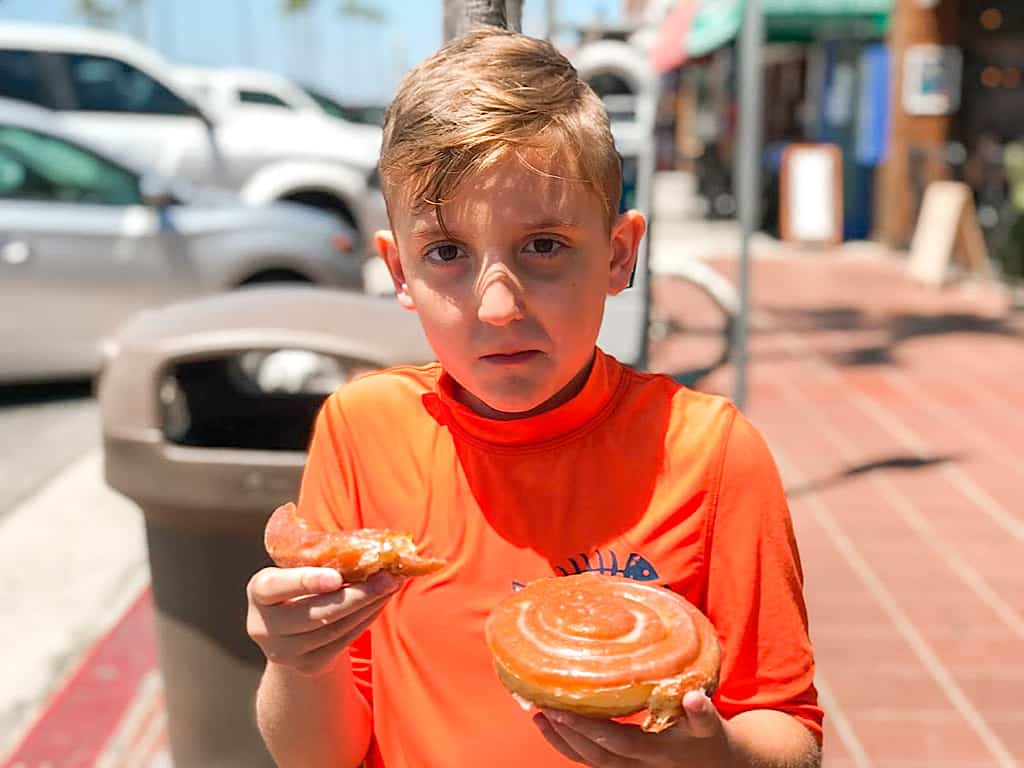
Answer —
462 15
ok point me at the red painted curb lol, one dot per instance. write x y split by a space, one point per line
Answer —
79 719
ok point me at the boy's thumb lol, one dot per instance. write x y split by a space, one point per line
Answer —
701 715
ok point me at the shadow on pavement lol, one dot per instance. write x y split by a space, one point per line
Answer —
901 326
892 462
893 328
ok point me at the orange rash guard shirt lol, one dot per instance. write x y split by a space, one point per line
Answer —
636 476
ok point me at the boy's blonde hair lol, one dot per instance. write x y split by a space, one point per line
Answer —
481 96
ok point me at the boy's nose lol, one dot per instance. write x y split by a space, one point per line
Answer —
499 302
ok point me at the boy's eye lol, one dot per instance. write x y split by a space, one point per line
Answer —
445 253
545 245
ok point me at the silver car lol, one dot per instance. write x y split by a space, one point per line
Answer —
86 241
121 96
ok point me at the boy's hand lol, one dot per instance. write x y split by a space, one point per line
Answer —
302 618
699 739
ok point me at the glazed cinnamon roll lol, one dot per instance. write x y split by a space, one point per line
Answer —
355 554
604 647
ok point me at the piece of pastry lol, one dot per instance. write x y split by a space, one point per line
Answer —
603 646
355 554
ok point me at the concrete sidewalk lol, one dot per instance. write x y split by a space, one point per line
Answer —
74 558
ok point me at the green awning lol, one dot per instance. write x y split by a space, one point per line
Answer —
716 22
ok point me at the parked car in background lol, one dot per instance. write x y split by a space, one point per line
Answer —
115 93
220 89
86 241
366 114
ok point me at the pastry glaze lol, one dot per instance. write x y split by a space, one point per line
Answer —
603 647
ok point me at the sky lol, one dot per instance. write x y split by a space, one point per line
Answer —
353 59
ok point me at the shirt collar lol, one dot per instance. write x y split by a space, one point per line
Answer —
558 423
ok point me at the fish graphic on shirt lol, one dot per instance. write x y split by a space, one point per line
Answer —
634 566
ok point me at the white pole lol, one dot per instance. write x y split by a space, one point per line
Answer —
748 174
550 19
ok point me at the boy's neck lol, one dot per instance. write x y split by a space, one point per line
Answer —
564 395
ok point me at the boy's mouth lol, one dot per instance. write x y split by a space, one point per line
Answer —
512 358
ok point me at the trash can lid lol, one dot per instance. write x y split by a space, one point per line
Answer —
372 330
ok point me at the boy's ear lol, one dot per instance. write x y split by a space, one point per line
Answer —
384 239
627 232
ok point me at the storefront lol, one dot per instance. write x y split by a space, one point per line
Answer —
991 117
957 111
826 79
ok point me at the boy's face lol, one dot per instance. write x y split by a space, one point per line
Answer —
511 299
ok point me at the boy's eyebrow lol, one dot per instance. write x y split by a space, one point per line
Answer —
549 223
428 227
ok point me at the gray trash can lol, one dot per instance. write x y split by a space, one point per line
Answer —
207 409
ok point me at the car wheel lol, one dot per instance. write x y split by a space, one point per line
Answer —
326 202
275 276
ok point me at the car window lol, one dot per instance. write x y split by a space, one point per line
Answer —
34 166
13 175
102 84
20 78
330 106
367 115
261 97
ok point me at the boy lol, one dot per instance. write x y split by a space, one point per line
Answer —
525 452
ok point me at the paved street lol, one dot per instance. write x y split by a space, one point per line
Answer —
45 427
894 412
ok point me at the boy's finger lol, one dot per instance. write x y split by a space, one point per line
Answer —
590 751
353 624
321 656
316 612
310 613
702 719
354 632
554 739
294 649
271 586
317 661
617 738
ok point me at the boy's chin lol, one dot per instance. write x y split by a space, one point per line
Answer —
514 407
518 404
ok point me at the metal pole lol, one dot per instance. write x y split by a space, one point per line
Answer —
748 174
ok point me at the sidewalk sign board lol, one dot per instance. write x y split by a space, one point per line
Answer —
811 194
947 230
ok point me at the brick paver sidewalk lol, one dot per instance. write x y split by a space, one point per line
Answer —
896 414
